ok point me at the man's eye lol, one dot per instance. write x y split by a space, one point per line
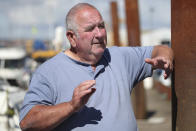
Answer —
102 26
90 28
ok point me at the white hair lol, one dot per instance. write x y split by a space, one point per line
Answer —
70 18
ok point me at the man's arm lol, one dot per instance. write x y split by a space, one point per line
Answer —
42 117
162 58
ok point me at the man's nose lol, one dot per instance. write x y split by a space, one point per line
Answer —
98 33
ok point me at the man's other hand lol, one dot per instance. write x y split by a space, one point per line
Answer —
82 94
161 63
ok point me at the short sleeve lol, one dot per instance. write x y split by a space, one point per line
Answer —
134 58
39 93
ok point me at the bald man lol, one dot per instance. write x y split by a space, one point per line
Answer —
88 87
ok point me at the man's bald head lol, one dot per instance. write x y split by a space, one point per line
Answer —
71 16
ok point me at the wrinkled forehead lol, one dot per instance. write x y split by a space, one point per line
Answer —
88 15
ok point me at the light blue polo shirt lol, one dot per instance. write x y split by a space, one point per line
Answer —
109 108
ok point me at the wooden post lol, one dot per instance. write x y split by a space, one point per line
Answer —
184 45
132 20
133 33
115 23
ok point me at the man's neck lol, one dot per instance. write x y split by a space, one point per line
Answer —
74 56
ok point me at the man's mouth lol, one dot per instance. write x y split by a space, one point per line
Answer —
101 42
97 43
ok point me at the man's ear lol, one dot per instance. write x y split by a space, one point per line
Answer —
71 36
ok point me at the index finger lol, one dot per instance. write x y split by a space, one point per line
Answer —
87 82
86 85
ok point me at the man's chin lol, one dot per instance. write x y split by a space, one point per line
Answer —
99 51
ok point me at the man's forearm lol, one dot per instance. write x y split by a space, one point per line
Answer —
43 117
162 51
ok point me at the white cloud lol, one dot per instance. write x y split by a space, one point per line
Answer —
44 11
39 12
155 13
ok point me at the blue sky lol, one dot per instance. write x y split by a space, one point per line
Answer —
17 17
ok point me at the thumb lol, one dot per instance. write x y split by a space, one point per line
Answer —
149 60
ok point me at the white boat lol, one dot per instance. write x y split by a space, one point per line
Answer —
14 80
10 103
12 66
